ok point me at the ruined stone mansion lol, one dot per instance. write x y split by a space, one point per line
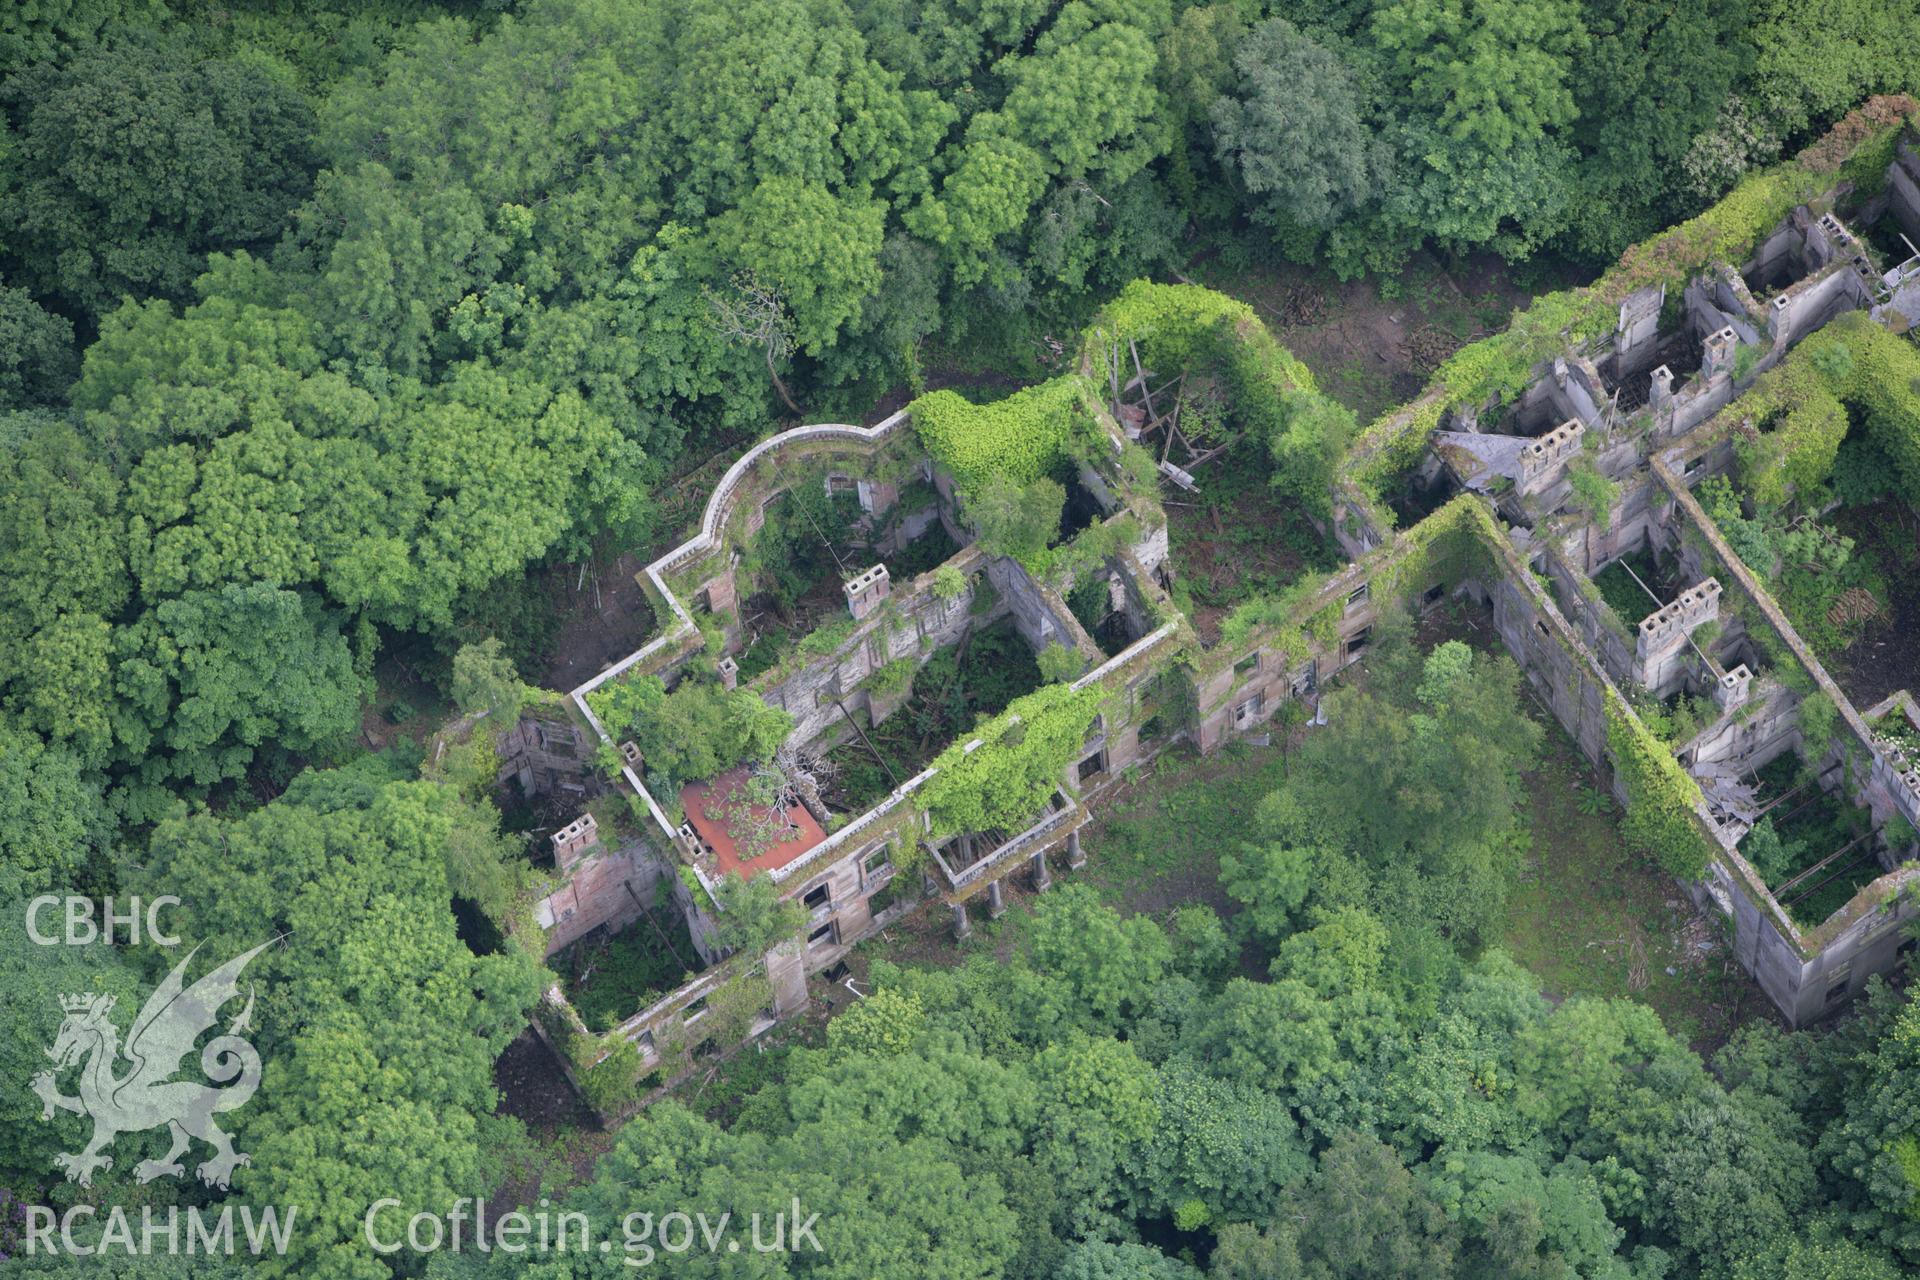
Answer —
1497 529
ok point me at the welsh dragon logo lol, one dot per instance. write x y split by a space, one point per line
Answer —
145 1097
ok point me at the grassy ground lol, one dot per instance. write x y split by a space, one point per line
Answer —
1157 841
1591 918
1587 918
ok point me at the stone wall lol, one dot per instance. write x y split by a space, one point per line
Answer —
914 622
1765 727
1636 339
1604 633
1903 188
1559 667
1567 648
1039 614
548 751
606 887
1807 974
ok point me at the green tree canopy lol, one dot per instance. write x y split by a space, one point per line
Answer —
1292 128
378 1025
139 157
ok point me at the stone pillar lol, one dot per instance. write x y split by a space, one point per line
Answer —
1734 688
721 592
1076 856
1780 318
1660 388
866 591
729 673
787 973
996 901
962 923
571 842
1717 353
1042 878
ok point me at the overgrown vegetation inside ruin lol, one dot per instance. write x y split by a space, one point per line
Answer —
952 690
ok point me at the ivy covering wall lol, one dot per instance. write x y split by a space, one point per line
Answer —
1799 409
1171 324
1003 784
1660 817
1445 548
1181 327
1022 438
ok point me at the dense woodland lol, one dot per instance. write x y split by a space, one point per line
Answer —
327 328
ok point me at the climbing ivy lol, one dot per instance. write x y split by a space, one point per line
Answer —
1173 325
1004 782
1393 443
1883 380
1184 327
1022 438
1278 614
1660 821
1446 547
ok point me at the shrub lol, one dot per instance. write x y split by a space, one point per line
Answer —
1016 519
694 732
1748 538
484 680
885 1024
948 582
612 1085
1770 855
753 915
1818 720
1594 492
893 677
1058 662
